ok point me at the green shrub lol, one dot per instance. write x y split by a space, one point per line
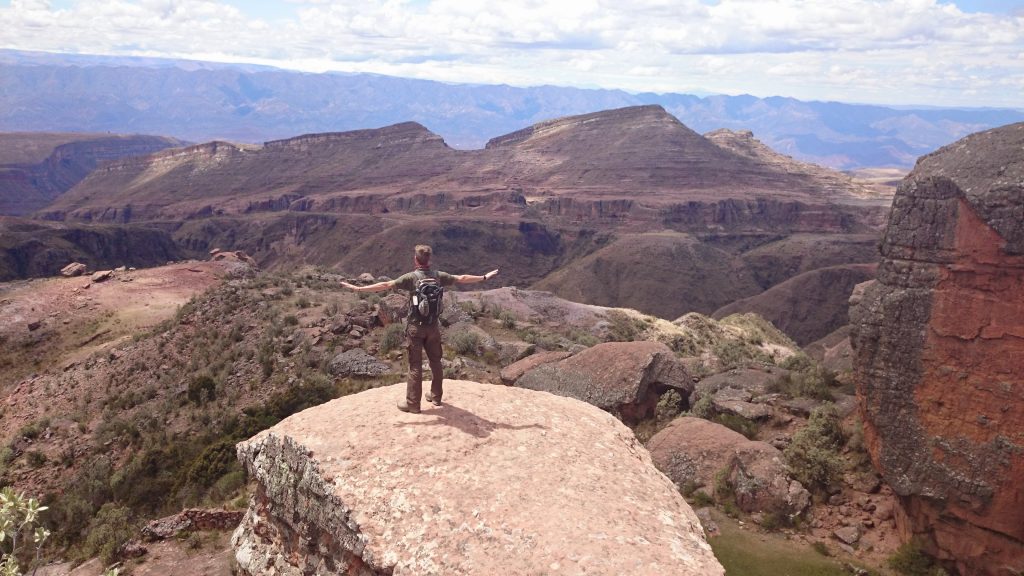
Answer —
392 338
201 389
813 381
737 423
465 342
19 522
108 532
215 461
702 408
797 362
303 302
508 320
821 548
35 458
813 455
621 327
291 320
911 560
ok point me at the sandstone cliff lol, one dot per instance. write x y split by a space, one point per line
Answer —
499 480
938 342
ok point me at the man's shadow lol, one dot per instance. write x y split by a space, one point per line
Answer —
448 415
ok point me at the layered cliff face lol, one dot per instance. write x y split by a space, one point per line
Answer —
938 341
35 169
619 167
498 480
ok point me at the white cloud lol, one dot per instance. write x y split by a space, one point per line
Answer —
899 51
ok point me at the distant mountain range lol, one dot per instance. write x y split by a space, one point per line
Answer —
200 101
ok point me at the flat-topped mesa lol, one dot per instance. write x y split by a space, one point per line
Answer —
938 341
594 122
222 176
404 133
498 480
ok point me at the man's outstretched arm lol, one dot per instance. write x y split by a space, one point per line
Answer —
471 279
378 287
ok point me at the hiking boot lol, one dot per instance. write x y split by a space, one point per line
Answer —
435 400
404 406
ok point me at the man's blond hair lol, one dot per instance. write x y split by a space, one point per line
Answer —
423 253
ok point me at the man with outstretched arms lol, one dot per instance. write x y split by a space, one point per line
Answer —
423 329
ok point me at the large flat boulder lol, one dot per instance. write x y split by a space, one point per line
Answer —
499 480
696 453
624 378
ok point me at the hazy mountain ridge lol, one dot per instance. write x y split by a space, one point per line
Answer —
253 104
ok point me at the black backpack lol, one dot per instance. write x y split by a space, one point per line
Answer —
426 298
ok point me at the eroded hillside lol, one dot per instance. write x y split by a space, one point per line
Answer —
134 407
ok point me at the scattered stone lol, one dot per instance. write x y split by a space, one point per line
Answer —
214 251
340 326
801 406
132 549
366 278
710 526
848 535
393 308
695 452
121 269
190 519
102 275
35 325
73 269
515 351
357 362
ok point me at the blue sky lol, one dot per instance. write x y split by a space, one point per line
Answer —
909 52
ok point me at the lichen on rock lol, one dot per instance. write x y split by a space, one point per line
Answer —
937 343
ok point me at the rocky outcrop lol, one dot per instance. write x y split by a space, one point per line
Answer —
73 269
514 371
698 454
357 362
188 520
624 378
499 480
938 341
742 391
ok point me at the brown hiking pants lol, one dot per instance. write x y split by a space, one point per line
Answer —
420 337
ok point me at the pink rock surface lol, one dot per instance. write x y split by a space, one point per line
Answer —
498 480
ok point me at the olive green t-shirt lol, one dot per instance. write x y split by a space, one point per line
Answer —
408 281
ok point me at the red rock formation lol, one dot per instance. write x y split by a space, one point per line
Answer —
624 378
938 343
